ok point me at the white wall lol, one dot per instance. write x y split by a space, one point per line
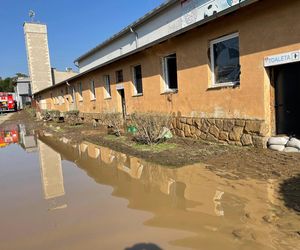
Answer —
170 20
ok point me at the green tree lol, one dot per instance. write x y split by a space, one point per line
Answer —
6 85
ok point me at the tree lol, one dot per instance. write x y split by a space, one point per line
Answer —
6 85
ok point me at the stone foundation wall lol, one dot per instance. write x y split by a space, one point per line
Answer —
239 132
89 117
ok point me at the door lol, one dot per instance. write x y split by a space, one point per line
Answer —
123 102
287 94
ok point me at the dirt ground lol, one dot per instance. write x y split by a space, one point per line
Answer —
225 160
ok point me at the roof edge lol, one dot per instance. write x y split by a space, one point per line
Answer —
200 23
136 23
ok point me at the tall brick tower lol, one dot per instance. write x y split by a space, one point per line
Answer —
36 40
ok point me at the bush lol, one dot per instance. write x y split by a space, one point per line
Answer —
113 121
31 111
151 127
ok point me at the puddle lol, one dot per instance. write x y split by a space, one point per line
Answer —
58 195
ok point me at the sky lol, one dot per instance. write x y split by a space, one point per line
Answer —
74 27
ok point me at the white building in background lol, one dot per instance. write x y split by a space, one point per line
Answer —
22 88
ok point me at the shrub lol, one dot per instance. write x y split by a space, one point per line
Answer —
30 110
113 121
151 127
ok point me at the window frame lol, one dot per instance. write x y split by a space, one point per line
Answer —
134 81
80 96
92 90
117 76
107 86
167 89
212 60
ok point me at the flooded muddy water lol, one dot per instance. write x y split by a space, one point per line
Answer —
59 195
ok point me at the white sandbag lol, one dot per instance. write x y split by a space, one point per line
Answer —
282 140
291 150
295 143
277 147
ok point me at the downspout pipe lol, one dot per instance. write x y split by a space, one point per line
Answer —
136 36
73 94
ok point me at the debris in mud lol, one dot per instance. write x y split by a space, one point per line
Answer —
270 218
244 234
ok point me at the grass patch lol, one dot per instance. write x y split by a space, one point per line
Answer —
115 138
75 126
156 148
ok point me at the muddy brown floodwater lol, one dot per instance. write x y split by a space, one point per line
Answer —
55 194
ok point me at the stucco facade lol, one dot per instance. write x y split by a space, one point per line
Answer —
264 28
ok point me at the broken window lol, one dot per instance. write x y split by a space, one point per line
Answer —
119 76
107 86
137 80
170 72
225 60
92 89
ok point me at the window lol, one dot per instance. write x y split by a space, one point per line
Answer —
80 91
61 99
107 86
119 76
137 80
72 90
225 60
170 72
92 90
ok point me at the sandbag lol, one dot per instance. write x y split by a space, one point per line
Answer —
295 143
277 147
291 150
282 140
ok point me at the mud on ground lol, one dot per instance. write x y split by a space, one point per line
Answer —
225 160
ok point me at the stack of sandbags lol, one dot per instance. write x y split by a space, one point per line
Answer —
293 145
284 144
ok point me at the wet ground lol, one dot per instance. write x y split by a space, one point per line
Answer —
59 194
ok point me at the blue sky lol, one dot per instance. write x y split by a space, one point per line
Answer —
74 27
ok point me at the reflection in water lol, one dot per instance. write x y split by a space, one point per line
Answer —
9 135
219 212
27 139
128 201
51 175
18 134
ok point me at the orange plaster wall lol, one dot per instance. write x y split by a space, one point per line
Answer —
265 28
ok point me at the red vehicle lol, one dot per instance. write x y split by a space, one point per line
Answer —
7 102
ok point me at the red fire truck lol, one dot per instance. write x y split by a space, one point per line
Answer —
7 102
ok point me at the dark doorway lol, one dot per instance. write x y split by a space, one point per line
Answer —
287 94
123 102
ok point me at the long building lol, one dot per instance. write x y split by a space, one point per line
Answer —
228 70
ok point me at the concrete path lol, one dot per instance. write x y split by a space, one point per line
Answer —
5 117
